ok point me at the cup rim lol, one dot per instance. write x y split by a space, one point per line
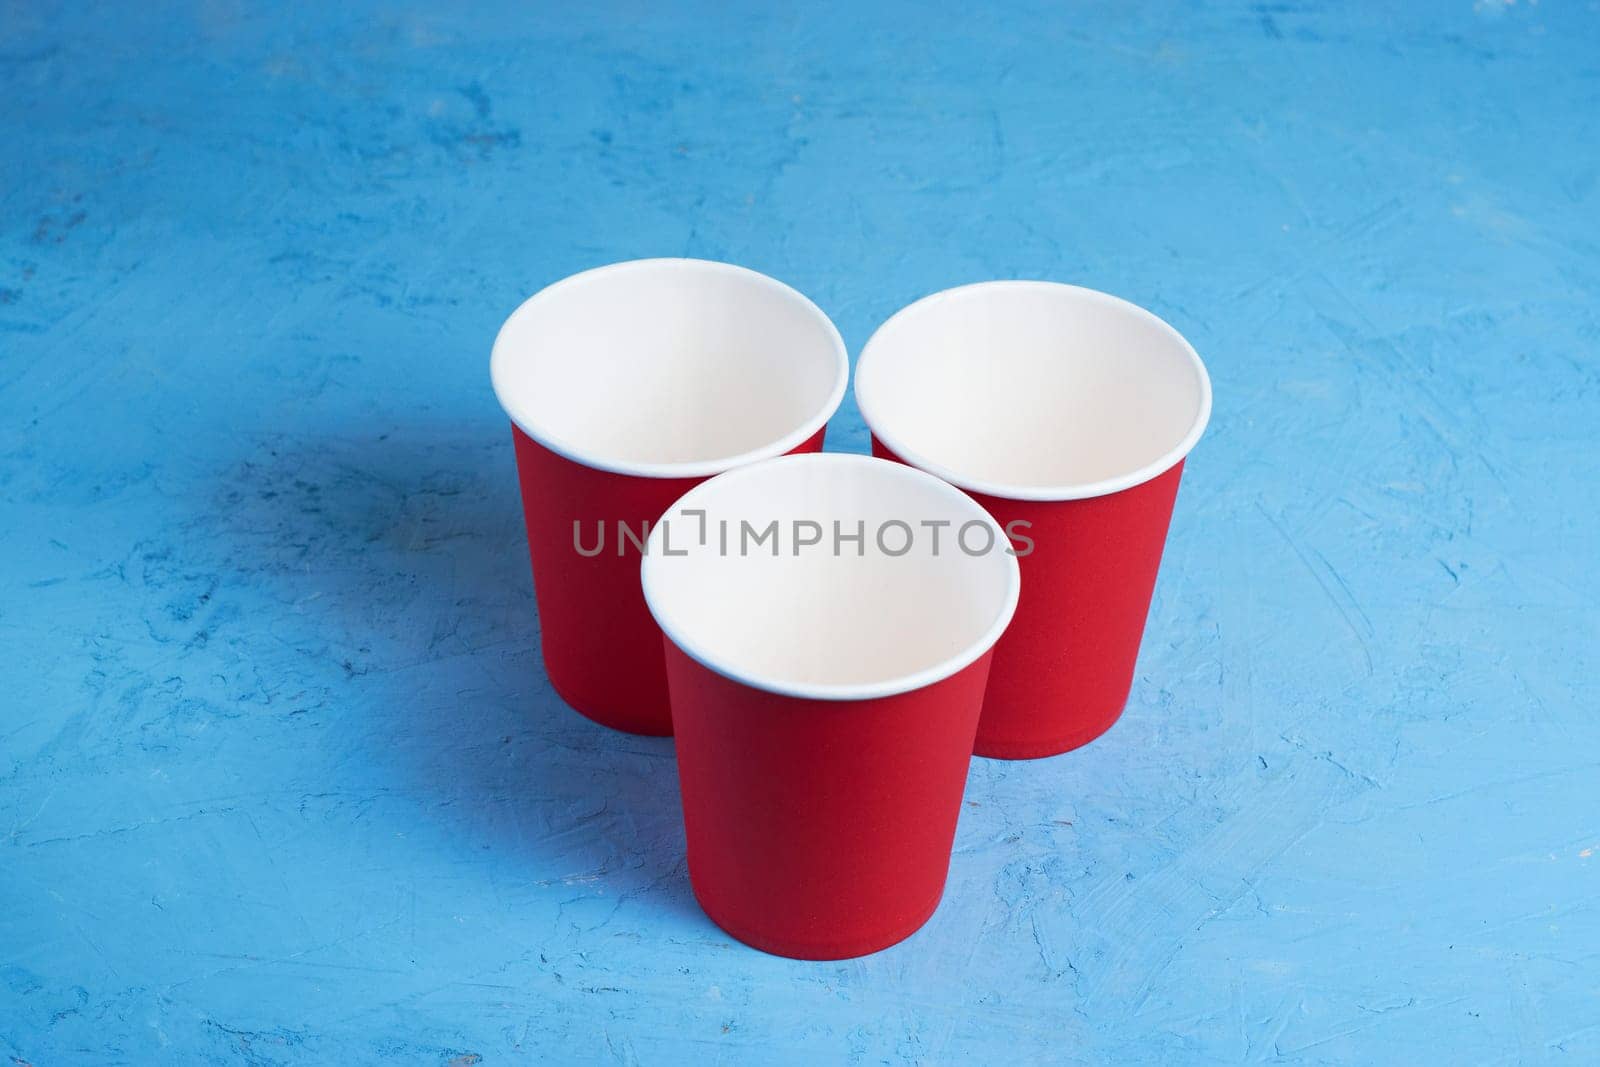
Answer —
887 687
1066 491
500 357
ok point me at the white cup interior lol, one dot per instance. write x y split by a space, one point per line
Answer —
669 367
830 620
1033 390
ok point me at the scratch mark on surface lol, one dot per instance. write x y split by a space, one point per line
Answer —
1355 619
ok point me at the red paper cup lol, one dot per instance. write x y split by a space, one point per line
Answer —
825 691
1067 413
627 386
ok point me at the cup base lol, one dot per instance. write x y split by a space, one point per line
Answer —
818 950
625 724
1040 748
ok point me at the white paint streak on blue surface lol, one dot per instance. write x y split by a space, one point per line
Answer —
281 780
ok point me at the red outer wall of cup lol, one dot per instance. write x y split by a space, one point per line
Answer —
1064 669
602 650
820 829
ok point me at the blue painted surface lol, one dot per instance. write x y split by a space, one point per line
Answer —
281 779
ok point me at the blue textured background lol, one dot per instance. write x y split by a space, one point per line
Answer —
281 779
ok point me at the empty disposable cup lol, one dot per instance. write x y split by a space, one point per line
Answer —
1067 413
626 386
828 623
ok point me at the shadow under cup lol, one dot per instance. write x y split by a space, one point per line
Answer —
627 386
827 660
1067 413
